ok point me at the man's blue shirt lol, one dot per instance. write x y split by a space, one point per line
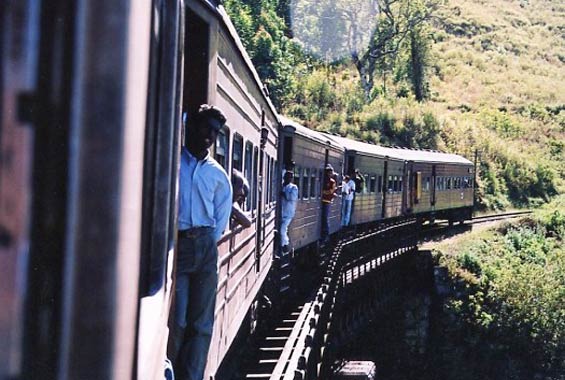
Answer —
205 194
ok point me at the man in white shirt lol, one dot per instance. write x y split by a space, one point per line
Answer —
347 192
289 197
205 202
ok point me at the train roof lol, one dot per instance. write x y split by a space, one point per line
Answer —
310 133
404 154
221 13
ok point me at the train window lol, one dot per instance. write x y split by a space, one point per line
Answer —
237 152
448 184
305 182
390 184
255 190
395 184
427 185
320 178
222 148
271 177
158 227
439 183
372 184
267 179
297 174
313 186
400 184
248 171
380 184
275 184
365 188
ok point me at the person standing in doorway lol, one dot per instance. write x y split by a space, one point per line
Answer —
205 203
347 193
328 194
289 198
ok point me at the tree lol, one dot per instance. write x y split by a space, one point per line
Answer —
396 20
371 32
419 60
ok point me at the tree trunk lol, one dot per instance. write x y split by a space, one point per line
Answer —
365 66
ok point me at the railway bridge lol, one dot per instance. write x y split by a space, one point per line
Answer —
362 271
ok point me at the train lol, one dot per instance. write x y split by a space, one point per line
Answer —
93 94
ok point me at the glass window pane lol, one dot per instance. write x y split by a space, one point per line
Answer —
380 184
305 181
248 172
297 174
222 148
313 183
237 152
255 177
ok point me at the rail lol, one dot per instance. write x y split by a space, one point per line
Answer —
306 357
493 217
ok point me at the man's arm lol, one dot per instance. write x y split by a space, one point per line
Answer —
222 207
240 216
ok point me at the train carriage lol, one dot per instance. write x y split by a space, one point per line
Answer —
98 135
384 178
93 94
367 205
225 76
453 192
436 184
311 151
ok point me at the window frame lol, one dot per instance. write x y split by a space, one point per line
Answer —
225 131
237 138
305 193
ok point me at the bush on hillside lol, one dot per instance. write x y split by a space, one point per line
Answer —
514 308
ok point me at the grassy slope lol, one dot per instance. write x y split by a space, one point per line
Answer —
499 81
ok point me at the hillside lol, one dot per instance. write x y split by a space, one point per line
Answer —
493 84
499 84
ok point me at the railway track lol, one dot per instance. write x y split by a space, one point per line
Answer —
294 345
494 217
287 351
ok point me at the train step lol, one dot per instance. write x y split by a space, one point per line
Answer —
284 289
258 376
271 346
275 341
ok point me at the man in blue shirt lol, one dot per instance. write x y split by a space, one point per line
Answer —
289 198
205 202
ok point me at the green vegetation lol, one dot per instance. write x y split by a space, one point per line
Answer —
510 296
462 76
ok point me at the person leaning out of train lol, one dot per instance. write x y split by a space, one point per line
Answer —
205 204
359 179
328 193
289 198
347 194
240 193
